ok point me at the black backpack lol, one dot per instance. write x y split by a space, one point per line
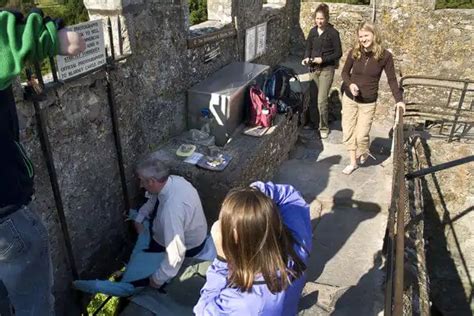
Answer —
277 88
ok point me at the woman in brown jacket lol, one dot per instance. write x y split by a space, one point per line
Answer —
361 75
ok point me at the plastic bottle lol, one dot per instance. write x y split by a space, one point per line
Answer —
206 121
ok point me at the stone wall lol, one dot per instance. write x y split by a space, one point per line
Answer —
424 41
149 91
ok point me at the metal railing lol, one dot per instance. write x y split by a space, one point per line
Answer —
395 242
458 115
35 92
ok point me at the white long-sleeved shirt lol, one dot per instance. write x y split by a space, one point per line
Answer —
179 224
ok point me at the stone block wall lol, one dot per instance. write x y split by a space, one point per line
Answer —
424 41
79 127
149 91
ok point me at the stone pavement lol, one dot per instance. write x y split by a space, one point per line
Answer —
349 217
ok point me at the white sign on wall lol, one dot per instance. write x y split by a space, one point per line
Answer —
255 41
261 38
250 44
92 58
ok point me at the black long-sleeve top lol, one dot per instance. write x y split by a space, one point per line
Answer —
327 45
365 72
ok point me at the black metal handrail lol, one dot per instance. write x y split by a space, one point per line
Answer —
396 225
395 242
37 95
443 166
463 85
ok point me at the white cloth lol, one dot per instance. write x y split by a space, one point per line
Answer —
179 224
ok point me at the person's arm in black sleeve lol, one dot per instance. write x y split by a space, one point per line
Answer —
309 44
336 42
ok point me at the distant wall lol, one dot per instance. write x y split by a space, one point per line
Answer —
424 41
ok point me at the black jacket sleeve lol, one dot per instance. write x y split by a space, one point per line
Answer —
309 43
337 53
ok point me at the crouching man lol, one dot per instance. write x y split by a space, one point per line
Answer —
175 216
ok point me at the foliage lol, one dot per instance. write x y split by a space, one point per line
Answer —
365 2
455 4
107 310
197 11
72 12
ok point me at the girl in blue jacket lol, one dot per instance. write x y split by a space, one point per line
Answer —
263 240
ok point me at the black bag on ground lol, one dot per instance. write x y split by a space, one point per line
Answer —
278 89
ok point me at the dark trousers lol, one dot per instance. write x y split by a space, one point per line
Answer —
9 127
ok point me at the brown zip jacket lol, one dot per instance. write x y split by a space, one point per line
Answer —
365 72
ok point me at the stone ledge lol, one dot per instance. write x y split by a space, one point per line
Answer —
253 159
206 28
271 9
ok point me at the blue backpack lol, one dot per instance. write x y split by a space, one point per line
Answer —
278 90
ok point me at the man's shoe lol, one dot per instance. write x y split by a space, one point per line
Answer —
324 134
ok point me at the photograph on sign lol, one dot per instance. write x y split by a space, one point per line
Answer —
261 38
250 43
92 58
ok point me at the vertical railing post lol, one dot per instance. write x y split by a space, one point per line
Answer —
120 39
111 38
458 111
54 71
48 156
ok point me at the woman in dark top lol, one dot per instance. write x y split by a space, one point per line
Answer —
323 50
361 75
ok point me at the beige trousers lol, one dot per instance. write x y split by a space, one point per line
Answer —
356 123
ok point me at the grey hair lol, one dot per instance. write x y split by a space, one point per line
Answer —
153 168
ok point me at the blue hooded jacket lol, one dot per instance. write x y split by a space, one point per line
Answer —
219 299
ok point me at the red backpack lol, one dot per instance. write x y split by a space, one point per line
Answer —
261 110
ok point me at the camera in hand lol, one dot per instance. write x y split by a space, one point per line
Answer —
313 66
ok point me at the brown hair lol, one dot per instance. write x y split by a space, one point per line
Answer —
324 9
255 241
377 48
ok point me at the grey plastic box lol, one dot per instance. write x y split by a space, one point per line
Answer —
224 93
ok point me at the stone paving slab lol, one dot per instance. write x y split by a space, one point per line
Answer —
315 169
349 217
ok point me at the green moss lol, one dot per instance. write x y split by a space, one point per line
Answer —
455 4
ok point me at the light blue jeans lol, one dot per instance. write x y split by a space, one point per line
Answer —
25 263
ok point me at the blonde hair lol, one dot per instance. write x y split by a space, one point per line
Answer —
377 48
255 241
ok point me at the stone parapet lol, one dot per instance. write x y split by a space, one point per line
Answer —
253 158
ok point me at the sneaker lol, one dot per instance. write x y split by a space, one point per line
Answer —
324 134
349 169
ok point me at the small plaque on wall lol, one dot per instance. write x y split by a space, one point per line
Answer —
250 43
90 59
255 41
261 39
